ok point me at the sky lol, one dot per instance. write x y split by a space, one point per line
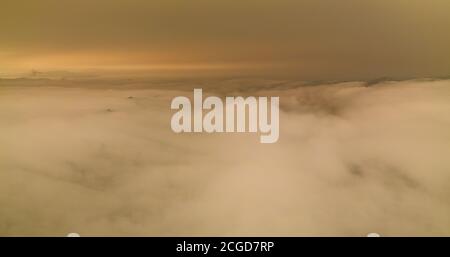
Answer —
348 39
363 147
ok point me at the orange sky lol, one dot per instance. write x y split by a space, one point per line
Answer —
309 39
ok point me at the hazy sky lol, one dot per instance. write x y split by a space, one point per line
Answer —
310 39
